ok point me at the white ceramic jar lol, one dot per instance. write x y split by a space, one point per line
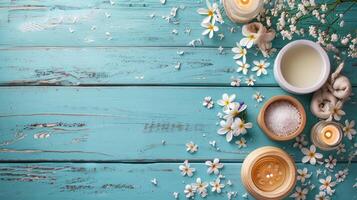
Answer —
302 67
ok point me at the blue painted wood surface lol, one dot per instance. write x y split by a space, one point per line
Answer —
106 104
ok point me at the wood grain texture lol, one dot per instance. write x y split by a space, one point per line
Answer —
129 65
26 23
127 181
127 123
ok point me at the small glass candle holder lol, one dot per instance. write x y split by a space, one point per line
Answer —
242 11
326 135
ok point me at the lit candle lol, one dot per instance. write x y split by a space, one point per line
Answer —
326 135
242 10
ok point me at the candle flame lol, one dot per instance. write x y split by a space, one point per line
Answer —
328 134
244 2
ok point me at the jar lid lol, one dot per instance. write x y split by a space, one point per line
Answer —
268 173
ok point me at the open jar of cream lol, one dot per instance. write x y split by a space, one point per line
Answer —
302 67
268 173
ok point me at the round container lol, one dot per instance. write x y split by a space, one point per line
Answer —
322 77
268 173
317 131
242 11
262 123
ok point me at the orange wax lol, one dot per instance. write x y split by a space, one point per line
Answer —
269 173
330 135
244 2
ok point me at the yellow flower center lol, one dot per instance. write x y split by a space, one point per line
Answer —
251 37
312 154
211 27
210 13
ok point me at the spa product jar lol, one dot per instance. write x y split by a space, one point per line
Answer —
268 173
326 135
301 67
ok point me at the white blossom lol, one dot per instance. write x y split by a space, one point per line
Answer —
349 130
186 170
300 194
213 167
310 155
191 147
217 186
208 102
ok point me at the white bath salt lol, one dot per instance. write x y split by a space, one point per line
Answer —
282 118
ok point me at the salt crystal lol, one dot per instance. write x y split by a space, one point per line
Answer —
282 118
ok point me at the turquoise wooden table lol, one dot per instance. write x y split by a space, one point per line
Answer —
92 106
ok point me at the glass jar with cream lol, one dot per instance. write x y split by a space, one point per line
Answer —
326 135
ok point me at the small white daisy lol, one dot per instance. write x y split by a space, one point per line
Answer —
210 28
310 155
300 194
189 191
234 109
235 82
241 143
258 97
330 162
260 67
210 11
336 111
349 130
201 187
208 102
226 100
341 175
327 185
226 129
176 195
240 126
186 170
321 196
191 147
250 81
217 186
300 141
341 149
240 52
242 67
249 38
303 175
214 166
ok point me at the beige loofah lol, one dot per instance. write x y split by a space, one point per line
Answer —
338 88
263 36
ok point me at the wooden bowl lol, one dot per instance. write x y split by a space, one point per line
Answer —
268 132
255 173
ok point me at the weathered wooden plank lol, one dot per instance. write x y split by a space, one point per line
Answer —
129 65
69 23
129 181
127 123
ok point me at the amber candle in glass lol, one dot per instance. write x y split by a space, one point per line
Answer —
326 135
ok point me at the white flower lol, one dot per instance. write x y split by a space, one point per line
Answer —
216 185
210 11
191 147
240 52
260 67
336 111
327 185
243 67
186 169
201 187
258 97
189 191
341 175
248 40
176 195
214 166
300 194
341 149
234 109
210 28
241 127
349 130
227 129
235 82
154 181
241 143
300 141
303 174
226 100
310 155
207 102
330 162
250 81
322 196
